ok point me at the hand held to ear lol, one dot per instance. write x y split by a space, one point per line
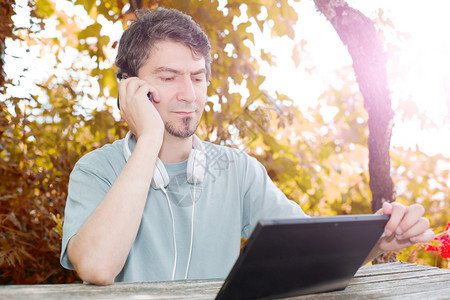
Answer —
136 109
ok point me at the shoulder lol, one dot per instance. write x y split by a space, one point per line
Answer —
220 152
109 156
220 158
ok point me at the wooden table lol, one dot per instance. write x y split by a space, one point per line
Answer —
386 281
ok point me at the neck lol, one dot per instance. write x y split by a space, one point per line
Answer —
175 149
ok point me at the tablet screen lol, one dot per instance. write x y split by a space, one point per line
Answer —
290 257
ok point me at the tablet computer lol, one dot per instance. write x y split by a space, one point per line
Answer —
291 257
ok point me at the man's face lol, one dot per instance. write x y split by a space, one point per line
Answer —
180 80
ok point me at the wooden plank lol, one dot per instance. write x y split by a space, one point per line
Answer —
434 285
395 280
428 295
396 276
388 268
147 290
425 290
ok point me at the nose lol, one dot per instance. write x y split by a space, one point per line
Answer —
186 90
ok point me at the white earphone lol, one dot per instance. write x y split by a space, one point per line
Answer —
194 173
195 166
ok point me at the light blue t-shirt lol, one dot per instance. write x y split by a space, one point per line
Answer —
235 193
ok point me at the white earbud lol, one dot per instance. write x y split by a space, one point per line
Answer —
195 166
196 162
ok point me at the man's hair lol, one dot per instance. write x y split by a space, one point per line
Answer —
152 26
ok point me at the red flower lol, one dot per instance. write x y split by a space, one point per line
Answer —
444 244
445 248
442 239
432 248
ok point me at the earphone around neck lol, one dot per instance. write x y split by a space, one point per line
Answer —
195 172
195 165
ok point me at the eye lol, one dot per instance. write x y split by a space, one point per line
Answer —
198 79
168 78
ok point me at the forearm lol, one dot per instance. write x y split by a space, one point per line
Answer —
100 248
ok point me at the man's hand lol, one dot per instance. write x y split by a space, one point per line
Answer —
136 109
405 227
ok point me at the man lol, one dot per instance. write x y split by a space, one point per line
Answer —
160 204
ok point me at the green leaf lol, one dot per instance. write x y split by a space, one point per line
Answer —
90 31
44 8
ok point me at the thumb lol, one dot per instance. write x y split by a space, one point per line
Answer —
386 209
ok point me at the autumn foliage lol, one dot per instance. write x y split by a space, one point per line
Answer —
35 172
443 248
319 163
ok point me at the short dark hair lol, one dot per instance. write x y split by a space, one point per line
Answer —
151 26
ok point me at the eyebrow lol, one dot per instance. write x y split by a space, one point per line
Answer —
177 72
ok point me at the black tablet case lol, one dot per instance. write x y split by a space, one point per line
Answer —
291 257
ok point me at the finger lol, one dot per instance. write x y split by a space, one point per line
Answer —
155 95
386 209
141 93
425 237
125 90
122 91
419 227
133 84
139 89
392 244
381 211
413 214
397 213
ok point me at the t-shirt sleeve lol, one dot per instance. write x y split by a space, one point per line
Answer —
87 187
263 199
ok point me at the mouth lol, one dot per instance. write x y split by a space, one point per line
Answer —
184 113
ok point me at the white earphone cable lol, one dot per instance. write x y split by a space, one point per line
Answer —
192 233
197 145
173 231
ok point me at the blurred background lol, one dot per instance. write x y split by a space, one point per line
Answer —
282 89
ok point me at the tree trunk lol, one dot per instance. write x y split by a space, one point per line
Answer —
358 33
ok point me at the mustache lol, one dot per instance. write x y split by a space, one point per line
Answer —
187 107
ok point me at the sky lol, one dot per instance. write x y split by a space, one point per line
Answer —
421 63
